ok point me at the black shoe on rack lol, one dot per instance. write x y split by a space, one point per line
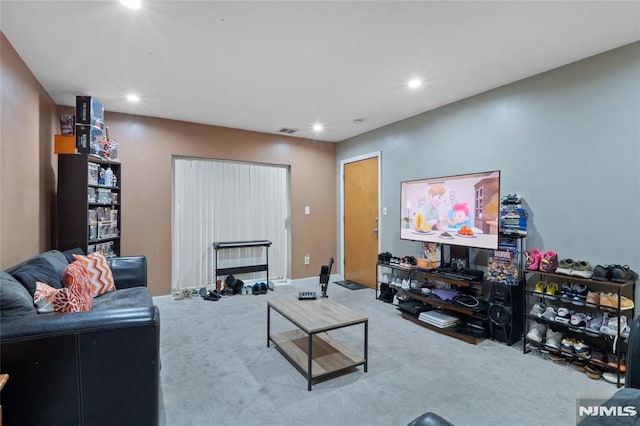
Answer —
511 199
622 274
601 273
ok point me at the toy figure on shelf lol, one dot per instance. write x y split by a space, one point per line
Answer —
101 176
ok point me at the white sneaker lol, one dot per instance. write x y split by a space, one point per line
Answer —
553 339
402 296
537 332
613 325
405 284
625 332
549 313
613 377
537 310
594 322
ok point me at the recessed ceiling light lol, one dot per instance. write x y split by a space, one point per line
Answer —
317 127
414 83
133 98
131 4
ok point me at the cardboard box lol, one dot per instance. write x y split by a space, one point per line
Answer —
64 144
89 111
89 140
503 266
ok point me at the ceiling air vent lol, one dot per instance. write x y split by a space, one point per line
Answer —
287 130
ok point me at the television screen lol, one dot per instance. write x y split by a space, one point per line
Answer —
460 210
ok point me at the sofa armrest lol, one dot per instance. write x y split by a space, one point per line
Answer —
129 271
632 376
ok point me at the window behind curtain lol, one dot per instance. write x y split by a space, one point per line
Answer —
217 200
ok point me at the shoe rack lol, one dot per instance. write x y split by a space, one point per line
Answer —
607 346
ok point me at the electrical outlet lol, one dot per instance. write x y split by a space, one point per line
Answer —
307 260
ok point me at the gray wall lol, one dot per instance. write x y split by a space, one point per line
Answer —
567 140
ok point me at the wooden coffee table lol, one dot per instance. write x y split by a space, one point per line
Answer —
309 347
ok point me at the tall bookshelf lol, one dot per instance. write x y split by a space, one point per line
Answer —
89 208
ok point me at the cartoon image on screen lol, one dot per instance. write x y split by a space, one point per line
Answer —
460 210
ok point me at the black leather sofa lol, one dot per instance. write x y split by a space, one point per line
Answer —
99 367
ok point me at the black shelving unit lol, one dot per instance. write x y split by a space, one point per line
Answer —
77 226
415 273
596 339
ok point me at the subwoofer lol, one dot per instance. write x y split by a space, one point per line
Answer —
505 313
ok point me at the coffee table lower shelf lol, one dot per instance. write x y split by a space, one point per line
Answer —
328 355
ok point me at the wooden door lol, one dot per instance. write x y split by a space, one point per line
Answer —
361 221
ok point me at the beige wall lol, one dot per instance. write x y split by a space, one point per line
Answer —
27 170
28 120
146 149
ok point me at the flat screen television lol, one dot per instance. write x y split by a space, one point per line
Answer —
460 210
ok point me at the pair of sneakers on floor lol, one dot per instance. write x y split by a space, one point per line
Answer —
544 335
554 340
260 288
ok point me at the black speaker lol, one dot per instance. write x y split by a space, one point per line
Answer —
505 313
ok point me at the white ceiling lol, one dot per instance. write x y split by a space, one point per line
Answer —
266 65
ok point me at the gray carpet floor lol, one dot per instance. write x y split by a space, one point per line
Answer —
217 370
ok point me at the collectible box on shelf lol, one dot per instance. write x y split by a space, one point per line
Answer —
431 255
508 242
89 140
106 248
89 111
94 173
513 220
503 266
107 229
104 196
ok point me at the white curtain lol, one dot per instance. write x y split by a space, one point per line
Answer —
215 201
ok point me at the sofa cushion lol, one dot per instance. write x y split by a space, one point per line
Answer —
56 259
68 299
15 300
37 269
71 252
76 280
125 298
100 274
45 298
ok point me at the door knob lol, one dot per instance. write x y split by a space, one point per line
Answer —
375 229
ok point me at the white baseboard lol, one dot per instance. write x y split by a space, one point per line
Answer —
315 280
280 281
